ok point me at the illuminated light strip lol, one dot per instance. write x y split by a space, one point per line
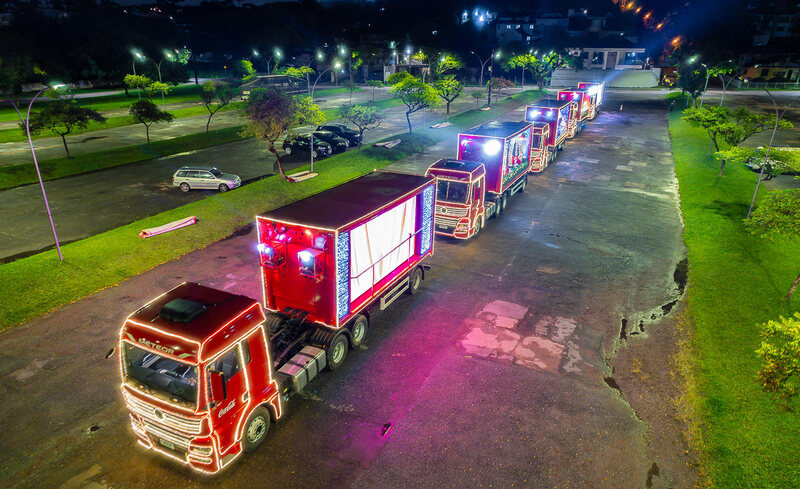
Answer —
170 419
165 333
211 335
390 204
126 385
427 220
290 223
342 275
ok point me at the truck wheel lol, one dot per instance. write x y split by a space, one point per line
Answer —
336 352
415 281
358 330
477 227
503 203
255 429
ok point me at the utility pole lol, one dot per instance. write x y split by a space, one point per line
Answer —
491 73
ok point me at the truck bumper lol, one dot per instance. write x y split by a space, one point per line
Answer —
196 452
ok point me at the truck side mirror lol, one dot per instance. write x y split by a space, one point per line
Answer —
110 352
218 393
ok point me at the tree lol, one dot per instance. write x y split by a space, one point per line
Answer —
444 62
300 73
726 72
147 113
540 67
449 89
497 83
778 214
156 87
691 80
363 117
139 82
477 95
374 84
244 69
216 94
269 113
351 86
415 95
62 117
398 77
780 357
15 72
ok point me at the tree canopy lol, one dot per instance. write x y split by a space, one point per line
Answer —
415 94
215 96
363 117
147 113
62 116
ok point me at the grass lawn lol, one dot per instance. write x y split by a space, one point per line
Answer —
34 285
736 282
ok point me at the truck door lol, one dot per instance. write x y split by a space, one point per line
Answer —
477 198
225 415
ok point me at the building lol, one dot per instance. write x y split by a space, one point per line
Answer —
773 72
609 53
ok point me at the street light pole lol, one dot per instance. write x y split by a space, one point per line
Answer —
491 75
702 97
38 173
483 64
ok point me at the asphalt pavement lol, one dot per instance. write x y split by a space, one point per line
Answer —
123 194
496 375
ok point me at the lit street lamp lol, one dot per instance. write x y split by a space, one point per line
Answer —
491 74
314 86
702 97
136 55
36 165
483 64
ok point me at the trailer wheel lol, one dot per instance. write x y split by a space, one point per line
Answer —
336 352
358 330
415 281
255 429
503 202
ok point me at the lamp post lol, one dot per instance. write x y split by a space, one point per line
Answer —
314 86
169 56
36 165
491 75
483 64
136 55
702 97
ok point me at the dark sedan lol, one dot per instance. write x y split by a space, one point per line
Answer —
338 144
301 144
352 136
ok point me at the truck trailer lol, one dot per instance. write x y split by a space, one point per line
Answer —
556 114
596 90
206 372
493 164
584 105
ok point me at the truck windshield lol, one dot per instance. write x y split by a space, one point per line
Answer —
159 376
449 191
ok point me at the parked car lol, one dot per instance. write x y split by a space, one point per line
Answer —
352 136
296 143
338 144
204 177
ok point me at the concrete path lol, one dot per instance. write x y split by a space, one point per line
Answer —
496 375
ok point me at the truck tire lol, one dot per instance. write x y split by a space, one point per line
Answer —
478 226
336 352
502 204
256 429
415 281
358 330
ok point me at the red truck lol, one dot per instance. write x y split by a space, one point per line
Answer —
493 164
584 108
558 115
205 372
541 155
595 90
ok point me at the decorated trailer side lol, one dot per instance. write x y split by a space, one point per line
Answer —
595 90
205 373
492 166
557 115
584 107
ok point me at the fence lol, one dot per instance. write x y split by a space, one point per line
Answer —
766 84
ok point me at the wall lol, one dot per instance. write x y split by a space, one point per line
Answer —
613 78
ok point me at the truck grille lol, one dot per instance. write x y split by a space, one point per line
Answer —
445 221
177 441
152 414
452 211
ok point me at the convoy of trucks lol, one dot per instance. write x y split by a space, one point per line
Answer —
206 372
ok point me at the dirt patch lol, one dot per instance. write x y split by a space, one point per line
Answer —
645 376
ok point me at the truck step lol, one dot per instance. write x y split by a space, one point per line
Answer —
393 294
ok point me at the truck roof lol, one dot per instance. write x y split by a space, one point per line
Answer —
346 203
470 167
497 129
556 104
193 314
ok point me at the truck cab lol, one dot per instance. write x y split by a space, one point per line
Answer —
583 106
541 153
197 376
460 197
558 114
596 91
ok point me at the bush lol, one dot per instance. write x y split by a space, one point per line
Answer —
780 356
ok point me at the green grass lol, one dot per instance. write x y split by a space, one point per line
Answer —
22 174
179 94
34 285
736 282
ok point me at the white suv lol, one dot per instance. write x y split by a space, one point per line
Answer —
204 177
